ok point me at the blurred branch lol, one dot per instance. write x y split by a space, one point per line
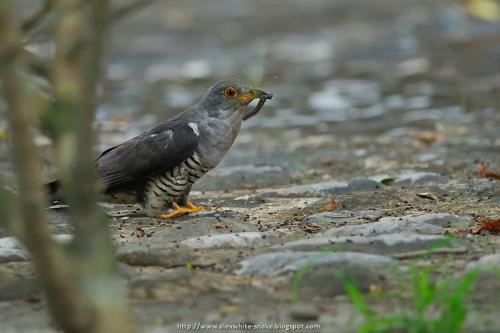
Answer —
35 65
38 16
84 291
34 230
81 35
129 8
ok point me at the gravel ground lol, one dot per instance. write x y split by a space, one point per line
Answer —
387 108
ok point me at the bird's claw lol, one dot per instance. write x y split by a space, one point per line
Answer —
181 211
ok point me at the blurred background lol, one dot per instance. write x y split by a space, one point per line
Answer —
386 90
356 82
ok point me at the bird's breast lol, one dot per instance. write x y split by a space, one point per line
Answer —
217 136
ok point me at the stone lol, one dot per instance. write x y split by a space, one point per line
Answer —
237 240
11 248
244 176
326 189
303 312
10 243
327 282
338 217
412 178
439 219
157 254
378 244
201 226
386 227
250 200
14 285
282 262
175 283
486 262
7 255
431 223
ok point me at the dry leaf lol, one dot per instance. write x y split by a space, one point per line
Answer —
220 226
330 161
488 174
34 298
239 280
375 289
229 308
427 195
492 226
331 206
311 228
427 136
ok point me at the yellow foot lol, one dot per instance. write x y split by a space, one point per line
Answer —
190 205
181 211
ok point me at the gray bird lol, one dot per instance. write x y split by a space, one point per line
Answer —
157 168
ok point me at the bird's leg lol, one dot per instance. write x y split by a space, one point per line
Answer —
178 211
181 211
192 207
184 201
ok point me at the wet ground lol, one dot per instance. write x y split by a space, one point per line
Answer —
388 108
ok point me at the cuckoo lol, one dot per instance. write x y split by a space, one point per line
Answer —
157 168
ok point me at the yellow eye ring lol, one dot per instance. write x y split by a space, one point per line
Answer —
230 92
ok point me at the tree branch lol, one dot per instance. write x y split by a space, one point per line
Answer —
38 16
46 254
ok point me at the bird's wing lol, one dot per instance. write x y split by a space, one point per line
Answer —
154 152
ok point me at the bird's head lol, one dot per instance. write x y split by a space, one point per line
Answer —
232 95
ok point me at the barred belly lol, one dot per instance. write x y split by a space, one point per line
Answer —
162 190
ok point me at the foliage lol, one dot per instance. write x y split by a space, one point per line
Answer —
435 307
428 305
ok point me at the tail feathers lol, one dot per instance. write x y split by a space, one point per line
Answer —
55 192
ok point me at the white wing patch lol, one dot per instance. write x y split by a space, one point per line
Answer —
194 126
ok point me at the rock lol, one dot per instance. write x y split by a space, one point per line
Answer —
432 224
14 285
174 284
201 226
7 255
157 254
11 248
378 244
411 178
303 312
326 282
10 243
278 263
487 262
343 216
244 176
250 200
238 240
326 189
386 227
438 219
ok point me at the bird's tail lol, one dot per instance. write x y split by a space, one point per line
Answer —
54 192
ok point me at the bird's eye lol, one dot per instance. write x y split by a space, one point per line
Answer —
230 92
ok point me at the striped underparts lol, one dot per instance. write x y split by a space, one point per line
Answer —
162 189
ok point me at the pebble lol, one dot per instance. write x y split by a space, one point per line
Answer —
326 189
239 240
278 263
343 216
431 224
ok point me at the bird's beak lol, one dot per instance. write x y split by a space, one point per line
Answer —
253 94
